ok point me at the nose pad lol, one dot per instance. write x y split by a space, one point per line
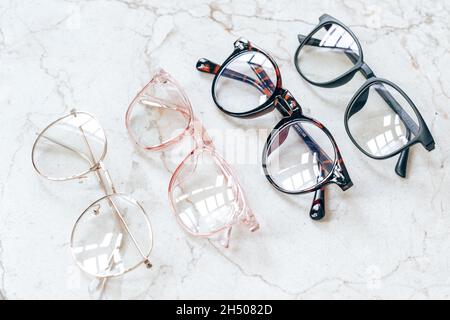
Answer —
249 219
359 103
96 209
161 76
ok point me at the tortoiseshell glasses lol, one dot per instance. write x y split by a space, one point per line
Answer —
300 154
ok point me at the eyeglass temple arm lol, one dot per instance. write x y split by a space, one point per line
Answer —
411 126
91 161
104 185
102 175
247 213
341 176
324 159
368 73
200 130
92 164
204 65
207 66
402 162
317 211
82 155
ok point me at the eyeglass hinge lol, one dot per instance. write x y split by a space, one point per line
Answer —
241 44
97 166
341 179
148 264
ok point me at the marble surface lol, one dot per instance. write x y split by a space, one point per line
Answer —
385 238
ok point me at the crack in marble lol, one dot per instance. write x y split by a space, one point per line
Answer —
136 5
320 282
19 140
193 261
253 275
59 83
422 32
163 269
409 258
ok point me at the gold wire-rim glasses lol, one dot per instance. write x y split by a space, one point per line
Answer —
107 186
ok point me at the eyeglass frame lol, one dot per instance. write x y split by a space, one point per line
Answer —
423 136
282 100
109 190
202 143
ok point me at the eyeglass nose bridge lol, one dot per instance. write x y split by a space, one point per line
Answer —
367 71
286 104
199 134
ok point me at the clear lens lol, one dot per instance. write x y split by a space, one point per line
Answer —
203 197
69 147
159 114
101 239
381 120
329 54
300 157
246 82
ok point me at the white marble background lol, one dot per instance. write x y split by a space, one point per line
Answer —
385 238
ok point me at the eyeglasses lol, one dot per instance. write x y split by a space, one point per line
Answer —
204 195
300 154
381 120
113 235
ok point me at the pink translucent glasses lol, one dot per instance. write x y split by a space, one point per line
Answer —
205 196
